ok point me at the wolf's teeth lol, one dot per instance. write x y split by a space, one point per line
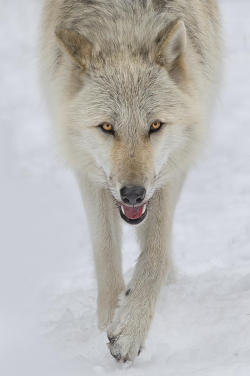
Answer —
123 210
144 209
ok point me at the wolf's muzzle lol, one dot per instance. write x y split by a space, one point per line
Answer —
133 194
131 208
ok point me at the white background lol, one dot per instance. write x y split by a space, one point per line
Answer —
47 283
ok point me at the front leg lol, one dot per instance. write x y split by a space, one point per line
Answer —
129 328
104 225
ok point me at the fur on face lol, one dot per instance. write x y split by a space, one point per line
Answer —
131 63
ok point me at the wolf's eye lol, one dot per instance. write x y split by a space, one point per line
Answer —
155 126
107 128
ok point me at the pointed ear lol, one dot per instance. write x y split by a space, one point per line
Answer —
171 47
77 47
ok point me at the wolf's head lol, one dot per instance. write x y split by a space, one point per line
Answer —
132 110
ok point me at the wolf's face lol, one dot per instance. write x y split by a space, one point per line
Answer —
133 119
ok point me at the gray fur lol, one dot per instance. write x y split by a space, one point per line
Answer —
130 63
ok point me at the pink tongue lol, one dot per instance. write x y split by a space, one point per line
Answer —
133 213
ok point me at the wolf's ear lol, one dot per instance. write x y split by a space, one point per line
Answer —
75 45
171 47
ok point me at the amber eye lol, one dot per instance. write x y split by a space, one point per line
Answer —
155 126
107 127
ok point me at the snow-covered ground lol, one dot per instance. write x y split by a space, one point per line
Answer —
47 284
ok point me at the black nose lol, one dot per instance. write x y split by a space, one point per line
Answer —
133 194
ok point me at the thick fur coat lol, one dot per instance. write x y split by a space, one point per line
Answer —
130 85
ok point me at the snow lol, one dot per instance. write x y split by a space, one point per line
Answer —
47 283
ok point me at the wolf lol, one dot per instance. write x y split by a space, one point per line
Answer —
130 85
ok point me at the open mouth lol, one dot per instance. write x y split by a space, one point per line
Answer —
133 214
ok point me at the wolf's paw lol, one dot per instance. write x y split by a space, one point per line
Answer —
128 331
124 348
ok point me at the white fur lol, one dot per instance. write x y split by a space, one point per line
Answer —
146 64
